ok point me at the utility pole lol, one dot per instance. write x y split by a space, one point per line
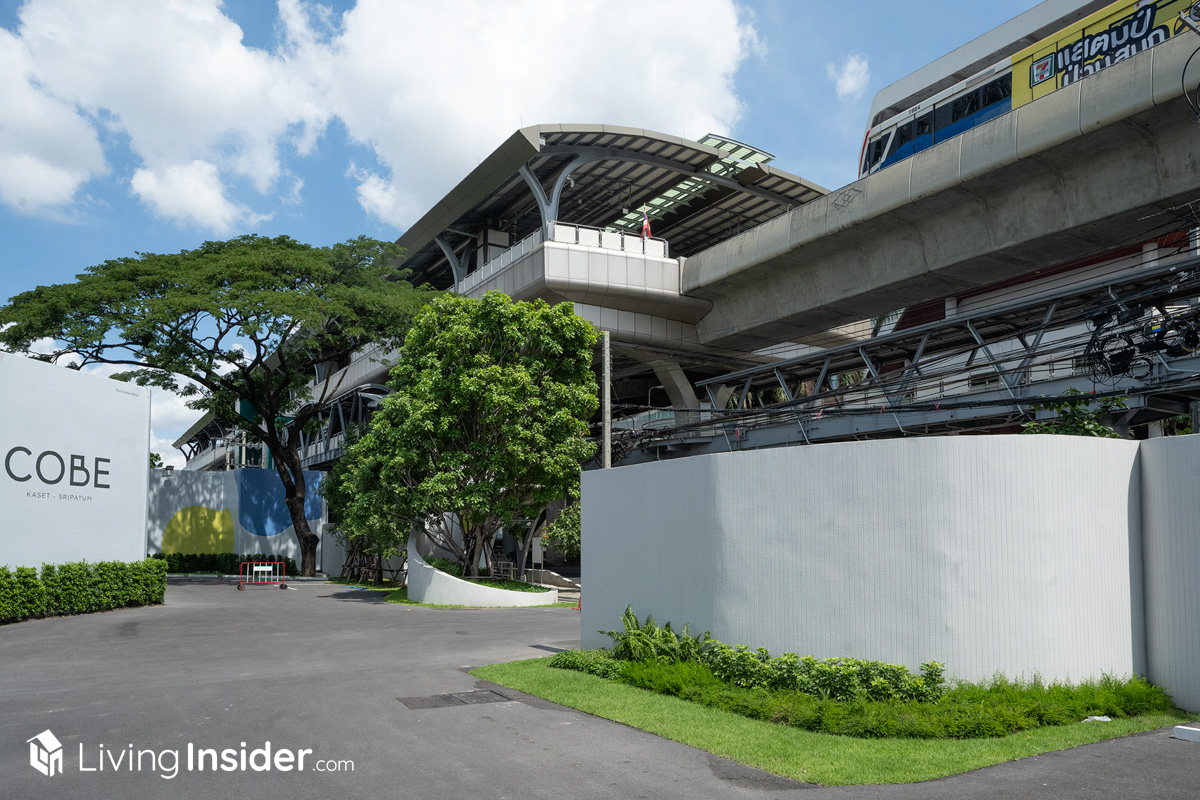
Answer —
607 407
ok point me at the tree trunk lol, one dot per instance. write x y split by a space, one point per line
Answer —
287 464
527 544
471 548
487 543
304 535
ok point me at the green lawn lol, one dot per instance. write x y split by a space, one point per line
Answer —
811 757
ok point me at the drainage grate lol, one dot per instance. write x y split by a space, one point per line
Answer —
547 648
455 699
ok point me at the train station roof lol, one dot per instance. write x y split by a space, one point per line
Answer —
695 193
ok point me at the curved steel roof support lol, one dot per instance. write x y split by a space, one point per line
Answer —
548 204
698 173
459 269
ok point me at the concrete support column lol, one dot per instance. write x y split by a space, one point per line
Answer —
679 390
674 382
721 396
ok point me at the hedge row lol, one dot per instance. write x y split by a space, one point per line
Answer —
223 563
79 588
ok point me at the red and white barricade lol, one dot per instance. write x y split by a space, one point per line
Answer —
262 573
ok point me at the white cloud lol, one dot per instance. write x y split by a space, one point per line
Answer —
295 194
201 110
170 456
851 78
192 194
431 88
451 94
169 414
383 199
47 151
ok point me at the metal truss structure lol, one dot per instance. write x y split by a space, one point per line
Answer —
1134 333
318 450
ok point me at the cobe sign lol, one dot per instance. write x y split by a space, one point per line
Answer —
74 464
50 468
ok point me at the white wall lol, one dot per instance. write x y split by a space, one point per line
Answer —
429 585
227 512
81 421
1171 529
988 553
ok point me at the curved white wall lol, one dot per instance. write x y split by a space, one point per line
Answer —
1171 530
429 585
988 553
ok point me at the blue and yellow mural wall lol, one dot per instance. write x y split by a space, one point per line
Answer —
240 511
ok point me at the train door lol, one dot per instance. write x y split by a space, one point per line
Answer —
875 151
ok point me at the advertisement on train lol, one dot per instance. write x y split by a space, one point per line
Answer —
1107 37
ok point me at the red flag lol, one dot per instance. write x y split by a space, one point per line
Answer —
645 224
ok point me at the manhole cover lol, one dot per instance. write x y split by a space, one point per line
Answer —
471 698
455 699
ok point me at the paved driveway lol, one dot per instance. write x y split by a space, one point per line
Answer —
319 668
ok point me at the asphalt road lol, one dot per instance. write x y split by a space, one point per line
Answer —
323 669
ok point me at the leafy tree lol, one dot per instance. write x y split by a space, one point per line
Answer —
156 461
1078 417
564 533
487 421
364 520
240 328
1177 426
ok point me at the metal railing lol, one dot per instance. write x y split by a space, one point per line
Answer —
566 233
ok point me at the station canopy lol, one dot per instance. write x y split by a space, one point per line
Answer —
695 193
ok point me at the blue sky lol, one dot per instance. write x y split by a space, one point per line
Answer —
141 126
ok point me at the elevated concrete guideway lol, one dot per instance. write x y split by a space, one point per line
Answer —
1096 165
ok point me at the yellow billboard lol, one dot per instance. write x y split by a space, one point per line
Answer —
1106 37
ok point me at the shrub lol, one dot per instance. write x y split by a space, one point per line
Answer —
31 593
831 678
967 711
80 588
683 678
9 596
446 565
510 585
739 666
646 641
593 662
223 563
75 590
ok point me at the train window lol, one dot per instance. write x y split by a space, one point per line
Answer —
902 137
997 91
964 106
924 125
874 153
942 117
